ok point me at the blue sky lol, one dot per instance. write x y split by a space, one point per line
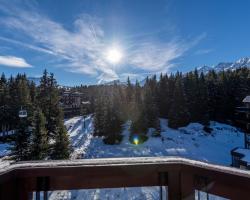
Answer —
72 39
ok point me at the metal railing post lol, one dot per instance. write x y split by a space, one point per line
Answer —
180 185
42 185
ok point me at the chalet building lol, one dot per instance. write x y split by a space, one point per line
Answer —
241 156
71 99
73 104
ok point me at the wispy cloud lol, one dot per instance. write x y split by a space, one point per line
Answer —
157 57
203 51
153 57
36 48
82 49
12 61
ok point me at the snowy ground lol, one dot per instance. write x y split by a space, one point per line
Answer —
4 149
80 136
190 142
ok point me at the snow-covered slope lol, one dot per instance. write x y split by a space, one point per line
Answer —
80 137
243 62
191 142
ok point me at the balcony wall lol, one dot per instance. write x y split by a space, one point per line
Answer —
181 176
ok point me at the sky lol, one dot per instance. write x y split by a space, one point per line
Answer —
96 41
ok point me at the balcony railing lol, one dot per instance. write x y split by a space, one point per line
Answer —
181 177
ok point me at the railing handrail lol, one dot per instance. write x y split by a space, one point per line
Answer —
124 161
182 176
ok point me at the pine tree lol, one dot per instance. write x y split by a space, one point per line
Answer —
61 147
203 101
163 96
129 99
39 147
196 90
213 94
99 117
4 97
48 96
129 91
107 119
178 114
139 125
21 146
32 88
20 100
113 125
150 107
137 93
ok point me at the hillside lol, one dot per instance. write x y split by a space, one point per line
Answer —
191 142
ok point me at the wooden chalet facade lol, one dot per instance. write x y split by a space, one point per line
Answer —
73 103
240 155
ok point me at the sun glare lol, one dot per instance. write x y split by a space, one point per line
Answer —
136 140
114 55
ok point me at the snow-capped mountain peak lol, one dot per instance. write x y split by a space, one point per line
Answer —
245 60
242 62
117 82
204 69
223 66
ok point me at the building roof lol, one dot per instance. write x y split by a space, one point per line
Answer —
245 153
86 102
246 99
67 93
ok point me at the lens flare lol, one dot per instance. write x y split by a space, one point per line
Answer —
136 140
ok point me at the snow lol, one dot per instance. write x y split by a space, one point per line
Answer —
246 99
242 62
187 142
132 193
4 149
80 137
11 132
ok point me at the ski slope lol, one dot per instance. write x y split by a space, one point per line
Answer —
190 142
80 137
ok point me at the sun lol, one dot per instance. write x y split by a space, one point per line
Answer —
114 55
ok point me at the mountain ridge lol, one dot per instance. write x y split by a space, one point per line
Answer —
240 63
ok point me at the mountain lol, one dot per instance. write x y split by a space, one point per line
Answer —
243 62
117 82
142 82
